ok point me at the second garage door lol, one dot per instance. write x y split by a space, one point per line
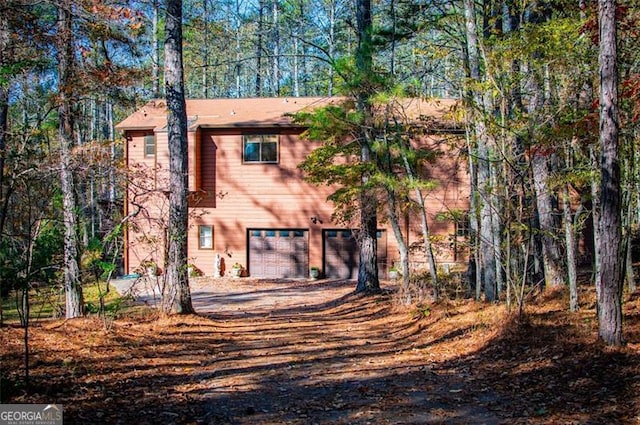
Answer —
279 253
341 255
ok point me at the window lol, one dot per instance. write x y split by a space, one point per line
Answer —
462 225
205 239
260 148
149 145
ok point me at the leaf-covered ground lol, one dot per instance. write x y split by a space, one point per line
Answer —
336 358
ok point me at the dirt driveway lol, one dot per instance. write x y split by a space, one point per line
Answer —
303 353
245 295
299 352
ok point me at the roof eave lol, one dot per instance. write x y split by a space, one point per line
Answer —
134 127
249 125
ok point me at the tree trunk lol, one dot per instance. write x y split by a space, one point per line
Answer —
629 273
238 40
426 235
402 246
537 95
296 70
276 49
205 53
332 43
368 280
259 48
4 127
26 307
72 285
497 210
179 295
569 235
392 48
112 141
473 72
595 210
155 50
368 244
487 249
4 115
473 277
630 199
367 235
609 278
486 266
551 257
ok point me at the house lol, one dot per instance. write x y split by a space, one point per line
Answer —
248 201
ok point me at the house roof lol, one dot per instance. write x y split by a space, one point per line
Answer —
256 112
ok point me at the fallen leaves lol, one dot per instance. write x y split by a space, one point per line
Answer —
356 360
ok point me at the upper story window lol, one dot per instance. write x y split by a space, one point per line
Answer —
260 148
150 145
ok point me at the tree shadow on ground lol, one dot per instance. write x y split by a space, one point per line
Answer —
348 360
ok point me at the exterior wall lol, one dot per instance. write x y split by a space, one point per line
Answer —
147 205
450 194
234 197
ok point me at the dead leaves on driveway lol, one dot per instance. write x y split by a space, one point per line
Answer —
350 360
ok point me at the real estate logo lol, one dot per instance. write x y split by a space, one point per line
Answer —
30 414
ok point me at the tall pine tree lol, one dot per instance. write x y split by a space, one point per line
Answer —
178 297
609 277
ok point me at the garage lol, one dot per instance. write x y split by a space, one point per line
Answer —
279 253
341 256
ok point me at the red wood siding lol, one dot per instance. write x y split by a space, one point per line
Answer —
233 197
257 196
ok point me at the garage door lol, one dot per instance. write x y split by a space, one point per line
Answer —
278 253
341 255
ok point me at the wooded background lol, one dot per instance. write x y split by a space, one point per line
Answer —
542 134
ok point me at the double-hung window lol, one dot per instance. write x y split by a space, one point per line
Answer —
205 237
260 148
149 145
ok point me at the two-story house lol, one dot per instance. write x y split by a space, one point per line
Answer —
249 203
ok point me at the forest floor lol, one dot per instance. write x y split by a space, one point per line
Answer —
290 352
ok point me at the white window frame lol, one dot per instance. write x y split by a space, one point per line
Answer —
205 241
147 145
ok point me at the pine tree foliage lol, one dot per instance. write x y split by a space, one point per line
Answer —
526 75
62 69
